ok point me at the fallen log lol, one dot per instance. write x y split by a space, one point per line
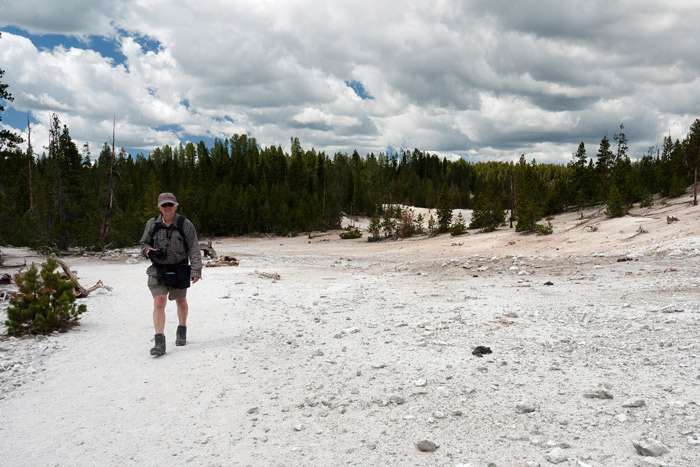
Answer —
223 261
268 275
11 266
80 291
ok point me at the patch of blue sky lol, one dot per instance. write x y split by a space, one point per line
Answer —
224 118
148 44
359 89
174 128
16 119
105 46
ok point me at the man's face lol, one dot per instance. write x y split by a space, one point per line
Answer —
168 209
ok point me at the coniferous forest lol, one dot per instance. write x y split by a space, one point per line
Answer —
65 196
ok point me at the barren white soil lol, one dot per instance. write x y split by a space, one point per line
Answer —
360 351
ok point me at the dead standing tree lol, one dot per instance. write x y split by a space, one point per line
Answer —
30 157
104 230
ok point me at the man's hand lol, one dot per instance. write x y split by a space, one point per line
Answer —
195 279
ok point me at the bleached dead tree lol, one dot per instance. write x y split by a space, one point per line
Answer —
110 196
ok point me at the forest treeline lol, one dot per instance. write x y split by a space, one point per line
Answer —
67 197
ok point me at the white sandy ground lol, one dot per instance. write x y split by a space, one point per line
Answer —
360 350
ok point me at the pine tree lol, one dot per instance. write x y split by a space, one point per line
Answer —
432 226
444 210
420 229
8 139
488 211
692 154
388 224
604 164
45 302
528 193
616 203
374 228
458 227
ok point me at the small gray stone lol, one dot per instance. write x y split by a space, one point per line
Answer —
694 440
426 446
439 415
525 408
398 400
650 447
599 393
556 456
632 403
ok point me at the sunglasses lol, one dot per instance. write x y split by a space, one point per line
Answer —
167 205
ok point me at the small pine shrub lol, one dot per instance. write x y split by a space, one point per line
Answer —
458 227
544 229
616 204
433 228
45 302
677 187
388 224
374 228
352 232
647 200
420 230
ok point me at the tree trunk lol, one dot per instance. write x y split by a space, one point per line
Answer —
695 187
110 197
30 156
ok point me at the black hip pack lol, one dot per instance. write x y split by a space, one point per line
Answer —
176 276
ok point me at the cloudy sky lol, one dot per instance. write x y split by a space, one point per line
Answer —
480 79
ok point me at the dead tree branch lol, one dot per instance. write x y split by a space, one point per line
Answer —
80 291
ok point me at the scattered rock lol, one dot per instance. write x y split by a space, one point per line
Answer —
633 403
556 456
525 408
480 351
650 447
599 393
398 400
426 446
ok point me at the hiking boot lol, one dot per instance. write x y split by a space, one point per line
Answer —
159 348
181 335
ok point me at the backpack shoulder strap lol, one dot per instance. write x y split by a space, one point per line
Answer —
156 227
180 223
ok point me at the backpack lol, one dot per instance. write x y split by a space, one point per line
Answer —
180 222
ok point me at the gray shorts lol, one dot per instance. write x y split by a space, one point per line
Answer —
160 289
